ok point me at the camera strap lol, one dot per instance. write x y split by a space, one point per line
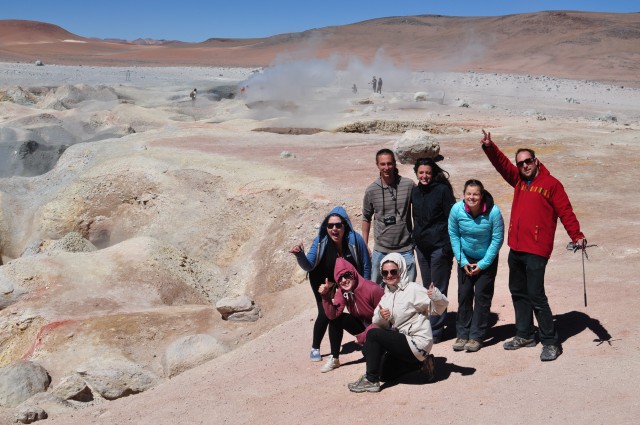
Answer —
395 198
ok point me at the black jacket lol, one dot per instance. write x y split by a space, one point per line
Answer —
431 206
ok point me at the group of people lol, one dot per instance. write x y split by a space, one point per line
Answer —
376 84
374 296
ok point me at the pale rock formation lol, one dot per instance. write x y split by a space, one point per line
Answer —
421 96
240 308
190 351
21 380
113 378
415 144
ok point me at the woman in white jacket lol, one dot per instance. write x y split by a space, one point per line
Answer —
401 322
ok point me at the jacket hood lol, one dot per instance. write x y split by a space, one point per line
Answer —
488 201
342 213
343 266
398 260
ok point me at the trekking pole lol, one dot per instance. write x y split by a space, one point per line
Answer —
583 247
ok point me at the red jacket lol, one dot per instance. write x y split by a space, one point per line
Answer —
361 302
535 208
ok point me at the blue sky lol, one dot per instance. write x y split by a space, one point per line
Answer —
198 20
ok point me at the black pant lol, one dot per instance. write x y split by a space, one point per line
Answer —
322 321
526 283
336 330
472 321
380 341
435 267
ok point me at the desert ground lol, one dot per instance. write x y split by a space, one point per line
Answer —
187 202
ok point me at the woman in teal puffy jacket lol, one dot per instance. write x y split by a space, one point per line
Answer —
476 229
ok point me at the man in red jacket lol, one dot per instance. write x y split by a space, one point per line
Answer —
539 199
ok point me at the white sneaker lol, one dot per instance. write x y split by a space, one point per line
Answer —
330 365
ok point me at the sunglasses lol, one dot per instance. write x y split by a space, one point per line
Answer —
336 225
347 275
527 161
392 272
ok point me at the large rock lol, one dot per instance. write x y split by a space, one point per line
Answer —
416 144
240 308
190 351
73 387
29 414
115 378
21 380
40 406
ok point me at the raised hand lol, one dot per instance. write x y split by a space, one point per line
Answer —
385 313
486 139
297 248
325 287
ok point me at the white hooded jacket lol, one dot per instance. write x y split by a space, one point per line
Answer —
410 308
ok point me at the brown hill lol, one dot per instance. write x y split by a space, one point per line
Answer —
586 45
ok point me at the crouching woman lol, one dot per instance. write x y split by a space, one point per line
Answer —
404 330
359 295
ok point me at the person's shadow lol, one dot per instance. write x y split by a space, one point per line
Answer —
569 324
443 371
574 322
497 334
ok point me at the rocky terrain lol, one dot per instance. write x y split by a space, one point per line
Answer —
130 214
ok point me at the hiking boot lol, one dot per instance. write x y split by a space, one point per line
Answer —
518 342
459 344
472 346
332 363
364 385
550 353
315 355
428 368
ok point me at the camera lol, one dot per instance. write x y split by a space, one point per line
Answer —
390 219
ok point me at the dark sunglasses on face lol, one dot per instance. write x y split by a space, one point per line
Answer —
347 275
527 161
392 272
336 225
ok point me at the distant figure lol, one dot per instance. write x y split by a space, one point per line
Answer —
374 83
379 85
354 89
193 94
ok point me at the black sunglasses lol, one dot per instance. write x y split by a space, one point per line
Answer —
524 161
336 225
347 275
392 272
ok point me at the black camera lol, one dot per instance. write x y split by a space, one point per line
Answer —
390 219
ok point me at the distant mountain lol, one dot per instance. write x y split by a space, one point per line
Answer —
583 45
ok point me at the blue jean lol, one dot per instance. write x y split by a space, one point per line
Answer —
377 257
435 267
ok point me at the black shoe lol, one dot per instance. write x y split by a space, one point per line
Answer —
518 342
550 353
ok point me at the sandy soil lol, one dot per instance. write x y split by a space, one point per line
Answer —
584 132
